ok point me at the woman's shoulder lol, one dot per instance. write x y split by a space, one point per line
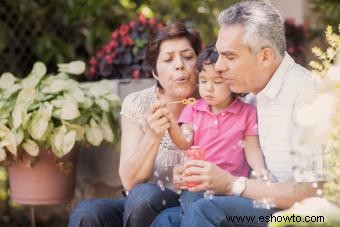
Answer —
140 96
136 104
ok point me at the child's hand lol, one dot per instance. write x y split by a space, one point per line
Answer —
260 174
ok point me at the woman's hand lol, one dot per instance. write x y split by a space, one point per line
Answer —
209 177
157 120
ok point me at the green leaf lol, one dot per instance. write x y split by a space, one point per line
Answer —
107 131
2 154
94 134
7 80
74 67
37 73
103 104
31 147
69 141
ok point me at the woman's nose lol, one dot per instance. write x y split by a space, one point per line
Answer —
179 64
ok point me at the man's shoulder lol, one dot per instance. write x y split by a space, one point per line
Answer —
300 79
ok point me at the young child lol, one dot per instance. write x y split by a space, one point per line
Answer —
222 125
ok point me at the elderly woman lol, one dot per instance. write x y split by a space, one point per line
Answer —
147 152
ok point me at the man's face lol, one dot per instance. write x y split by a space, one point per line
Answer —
238 65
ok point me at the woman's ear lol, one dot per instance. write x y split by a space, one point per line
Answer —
154 75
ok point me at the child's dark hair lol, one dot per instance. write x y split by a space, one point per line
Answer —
209 56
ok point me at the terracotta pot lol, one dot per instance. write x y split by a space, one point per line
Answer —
44 183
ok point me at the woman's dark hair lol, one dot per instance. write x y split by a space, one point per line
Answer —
171 31
209 56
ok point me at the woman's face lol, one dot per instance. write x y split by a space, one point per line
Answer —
176 68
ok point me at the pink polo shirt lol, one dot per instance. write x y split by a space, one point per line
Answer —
222 136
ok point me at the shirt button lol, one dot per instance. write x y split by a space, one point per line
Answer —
215 122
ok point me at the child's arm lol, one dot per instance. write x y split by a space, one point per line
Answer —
181 136
254 156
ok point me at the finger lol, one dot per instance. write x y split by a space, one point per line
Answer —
198 163
199 188
178 169
195 178
194 170
160 112
183 187
155 106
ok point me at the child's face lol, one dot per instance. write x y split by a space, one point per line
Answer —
213 87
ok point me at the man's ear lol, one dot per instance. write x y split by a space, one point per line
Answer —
267 56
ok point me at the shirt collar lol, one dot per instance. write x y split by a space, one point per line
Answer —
274 85
233 108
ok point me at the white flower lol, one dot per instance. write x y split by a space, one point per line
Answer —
74 67
334 73
318 112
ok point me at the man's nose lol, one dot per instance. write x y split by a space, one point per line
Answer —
220 66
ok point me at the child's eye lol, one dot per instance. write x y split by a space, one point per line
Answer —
167 60
218 82
203 81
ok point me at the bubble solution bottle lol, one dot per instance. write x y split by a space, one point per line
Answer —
194 153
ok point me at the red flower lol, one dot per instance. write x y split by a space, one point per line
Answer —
142 19
114 35
93 61
120 57
113 44
127 41
132 24
135 74
108 59
152 21
124 29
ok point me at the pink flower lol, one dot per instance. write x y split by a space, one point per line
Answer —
142 19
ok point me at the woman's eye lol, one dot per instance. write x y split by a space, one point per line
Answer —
188 57
167 60
203 81
219 82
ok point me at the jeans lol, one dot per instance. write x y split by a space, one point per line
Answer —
187 198
217 211
144 202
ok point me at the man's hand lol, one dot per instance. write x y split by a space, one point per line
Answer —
178 182
209 177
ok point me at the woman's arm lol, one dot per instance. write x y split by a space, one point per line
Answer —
139 149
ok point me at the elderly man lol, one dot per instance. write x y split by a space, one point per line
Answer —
253 58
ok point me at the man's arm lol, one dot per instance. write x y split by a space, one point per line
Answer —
284 195
212 177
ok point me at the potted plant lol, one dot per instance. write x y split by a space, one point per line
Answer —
123 57
42 117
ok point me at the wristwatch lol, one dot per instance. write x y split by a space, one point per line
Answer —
239 186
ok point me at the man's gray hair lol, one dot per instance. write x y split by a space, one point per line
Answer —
262 23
